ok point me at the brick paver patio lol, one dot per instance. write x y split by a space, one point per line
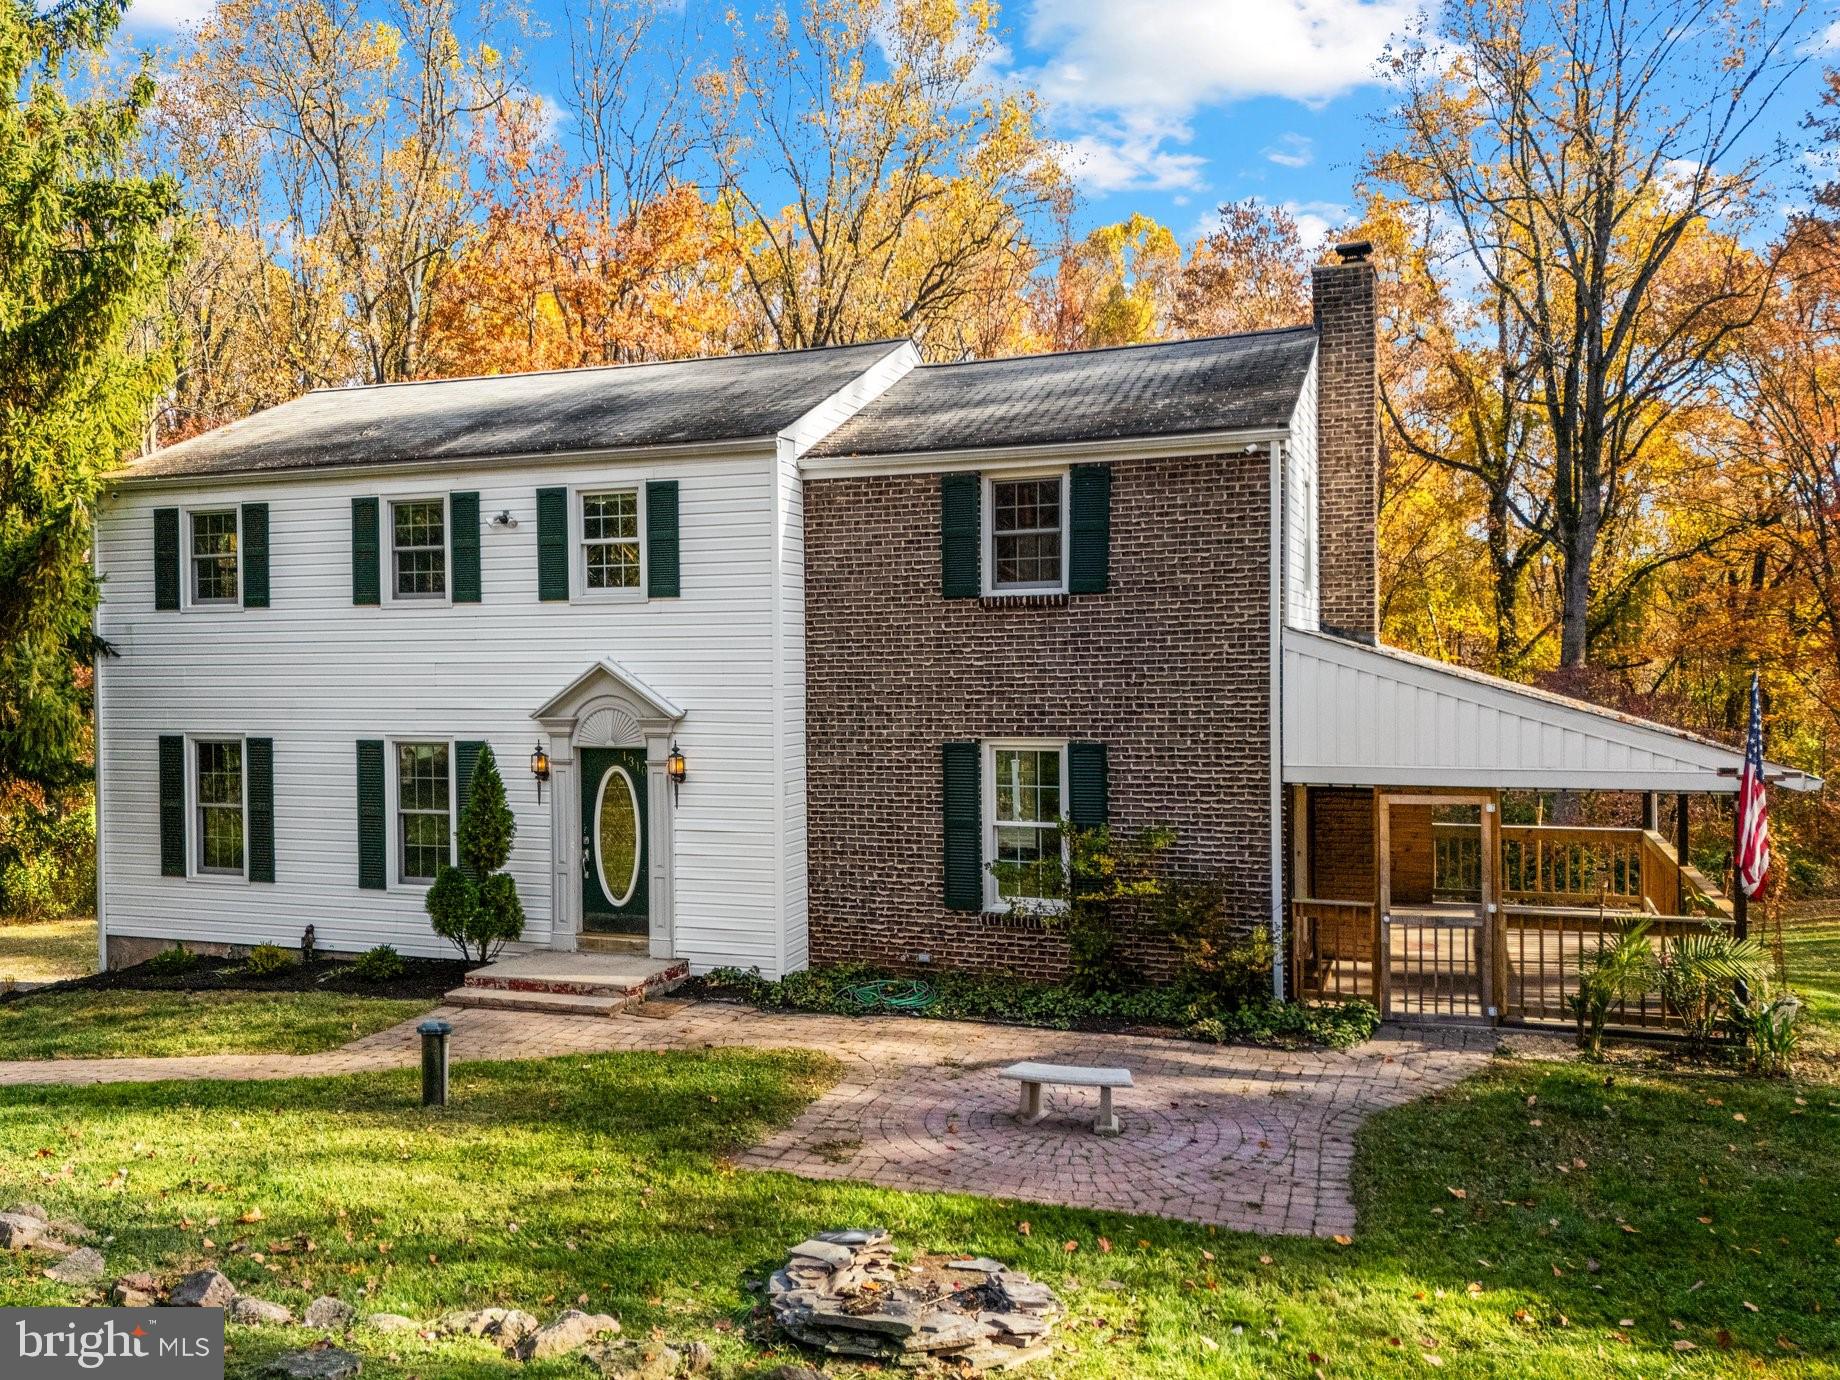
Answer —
1250 1139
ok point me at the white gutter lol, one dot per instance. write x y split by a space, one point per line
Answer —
1275 700
1022 457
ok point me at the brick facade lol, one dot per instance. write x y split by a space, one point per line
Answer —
1341 843
1347 447
1170 668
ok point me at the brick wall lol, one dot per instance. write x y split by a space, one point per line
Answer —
1342 844
1414 865
1347 448
1170 669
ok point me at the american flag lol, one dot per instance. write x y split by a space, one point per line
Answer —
1753 860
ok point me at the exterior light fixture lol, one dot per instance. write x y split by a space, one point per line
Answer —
674 768
539 768
504 519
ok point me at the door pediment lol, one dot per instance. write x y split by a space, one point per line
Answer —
610 706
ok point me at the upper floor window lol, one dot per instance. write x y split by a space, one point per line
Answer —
214 557
424 811
219 794
610 540
1024 801
1027 534
418 543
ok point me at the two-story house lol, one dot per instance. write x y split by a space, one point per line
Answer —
778 654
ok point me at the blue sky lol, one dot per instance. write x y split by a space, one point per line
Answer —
1169 106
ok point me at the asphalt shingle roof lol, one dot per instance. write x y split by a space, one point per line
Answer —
1226 383
738 397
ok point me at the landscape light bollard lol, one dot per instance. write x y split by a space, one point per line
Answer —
434 1062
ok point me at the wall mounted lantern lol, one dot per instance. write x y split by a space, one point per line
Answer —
539 768
674 768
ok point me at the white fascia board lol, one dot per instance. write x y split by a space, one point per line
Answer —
1034 457
761 447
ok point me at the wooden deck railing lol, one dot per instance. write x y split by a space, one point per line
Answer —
1545 944
1332 949
1575 865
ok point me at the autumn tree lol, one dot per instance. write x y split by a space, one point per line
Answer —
1597 168
1114 285
325 150
1251 272
876 183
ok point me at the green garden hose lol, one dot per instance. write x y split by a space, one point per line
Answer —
893 995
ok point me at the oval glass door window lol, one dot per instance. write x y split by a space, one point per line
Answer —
616 832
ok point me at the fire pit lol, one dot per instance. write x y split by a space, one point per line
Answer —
842 1293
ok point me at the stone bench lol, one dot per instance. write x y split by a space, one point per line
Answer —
1032 1076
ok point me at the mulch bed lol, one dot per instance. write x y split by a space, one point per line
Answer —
421 978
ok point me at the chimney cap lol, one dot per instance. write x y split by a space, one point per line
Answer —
1354 251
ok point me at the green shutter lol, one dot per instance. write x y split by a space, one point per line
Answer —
372 868
964 828
254 538
1087 794
553 544
661 555
172 805
466 758
463 513
1089 554
960 536
259 793
366 581
166 558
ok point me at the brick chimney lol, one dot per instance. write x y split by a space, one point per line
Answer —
1347 443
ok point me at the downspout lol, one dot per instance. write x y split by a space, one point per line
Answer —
1275 717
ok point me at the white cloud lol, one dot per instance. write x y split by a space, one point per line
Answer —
1114 154
1291 151
169 14
1123 77
1317 221
1154 55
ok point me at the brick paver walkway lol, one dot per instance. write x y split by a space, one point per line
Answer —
1256 1140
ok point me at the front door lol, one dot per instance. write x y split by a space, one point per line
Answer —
613 854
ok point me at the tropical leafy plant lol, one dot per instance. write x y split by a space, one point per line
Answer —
1698 975
1621 966
1769 1022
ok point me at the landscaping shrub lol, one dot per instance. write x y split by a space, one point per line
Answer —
1769 1022
1699 975
1620 967
480 917
171 962
381 964
266 960
850 989
47 853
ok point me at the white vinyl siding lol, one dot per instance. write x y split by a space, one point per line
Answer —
1302 597
318 674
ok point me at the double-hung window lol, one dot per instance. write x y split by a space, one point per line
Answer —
1028 520
424 810
610 540
418 548
218 791
214 557
1025 799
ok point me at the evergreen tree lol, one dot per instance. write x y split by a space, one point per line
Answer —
475 906
84 255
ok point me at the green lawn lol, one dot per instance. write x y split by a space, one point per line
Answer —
604 1176
118 1024
47 950
1811 952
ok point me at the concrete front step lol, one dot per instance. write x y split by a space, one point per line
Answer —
550 1003
578 983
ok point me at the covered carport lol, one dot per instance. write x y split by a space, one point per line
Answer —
1405 885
